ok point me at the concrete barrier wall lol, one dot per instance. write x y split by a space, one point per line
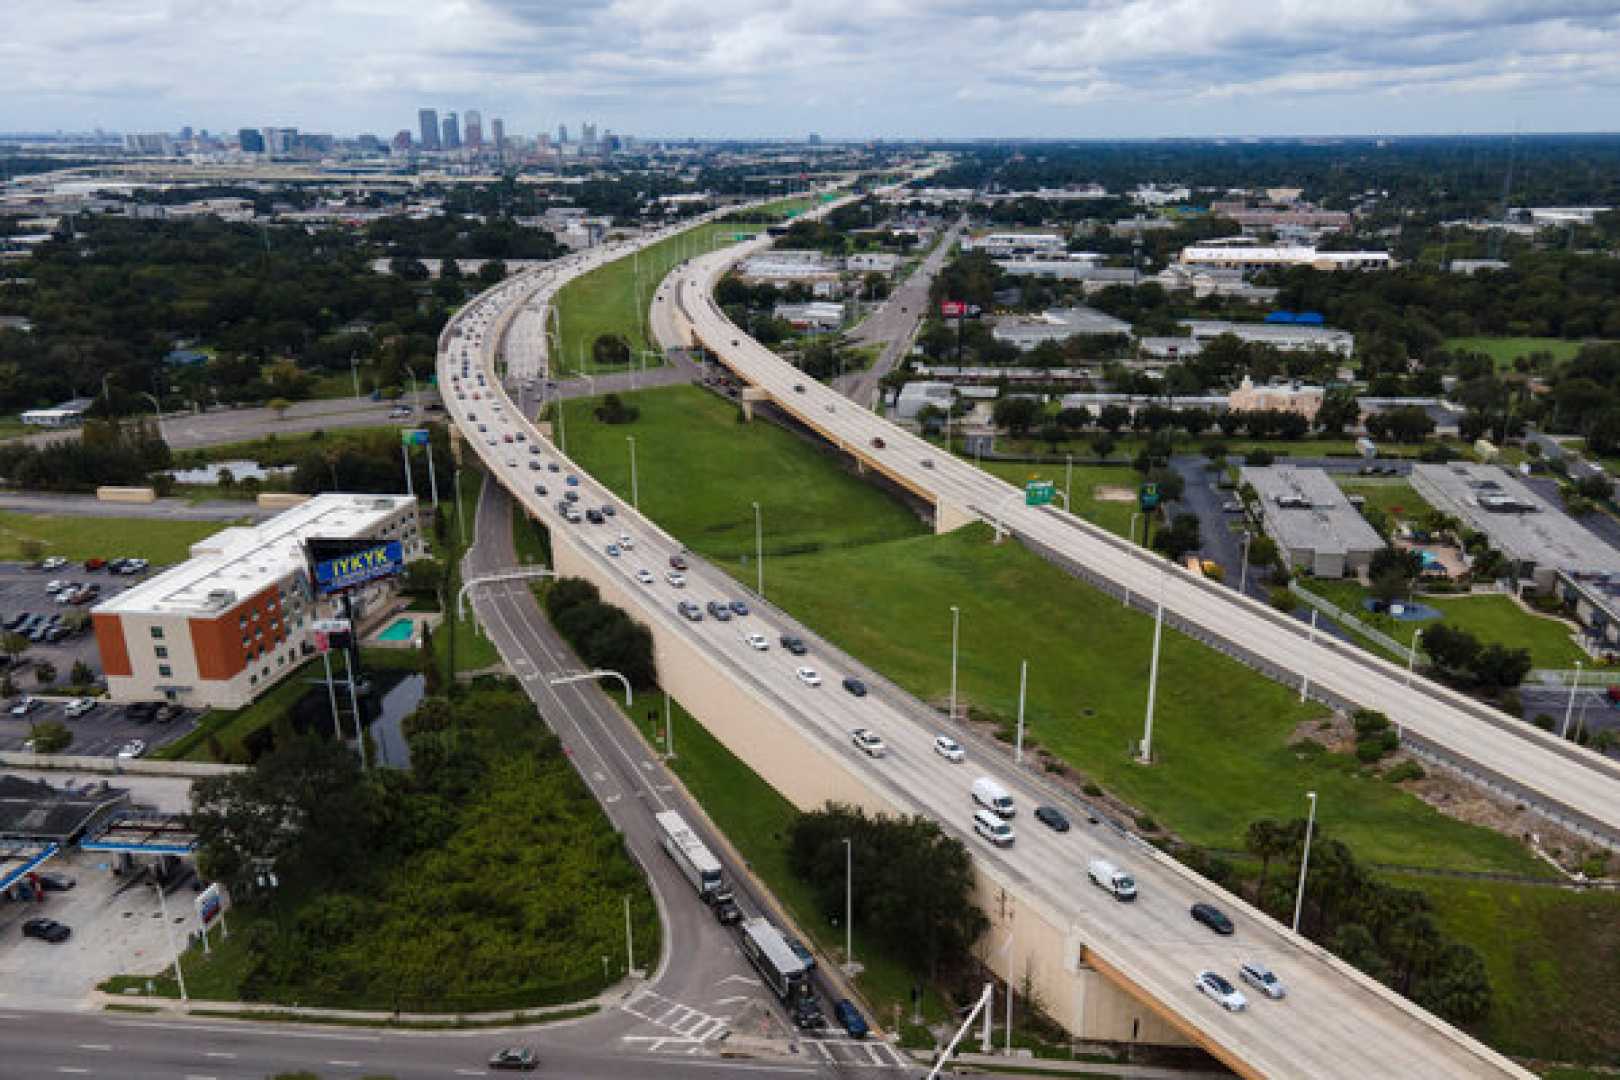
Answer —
126 494
111 766
280 500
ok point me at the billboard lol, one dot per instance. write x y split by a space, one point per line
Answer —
338 565
413 436
330 634
210 905
958 309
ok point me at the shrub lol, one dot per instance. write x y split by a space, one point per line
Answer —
1544 722
1404 771
1093 790
50 737
1146 823
1368 722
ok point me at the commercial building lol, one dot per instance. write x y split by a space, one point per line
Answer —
1312 521
235 619
918 394
450 132
1249 257
1284 337
1056 324
1002 245
819 315
1538 539
823 276
67 414
427 121
473 130
1292 397
250 140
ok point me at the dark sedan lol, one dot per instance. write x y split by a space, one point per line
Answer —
1212 917
1052 818
46 930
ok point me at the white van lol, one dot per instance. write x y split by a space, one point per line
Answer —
992 796
1105 875
992 828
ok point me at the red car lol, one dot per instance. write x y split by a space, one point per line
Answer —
94 564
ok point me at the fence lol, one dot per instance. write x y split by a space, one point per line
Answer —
1351 622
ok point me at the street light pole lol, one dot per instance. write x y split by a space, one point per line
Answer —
1243 575
759 552
1305 669
849 903
1304 860
354 373
1146 757
1068 482
956 624
1411 654
635 491
168 932
1569 710
1023 684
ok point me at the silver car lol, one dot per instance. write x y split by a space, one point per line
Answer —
1262 979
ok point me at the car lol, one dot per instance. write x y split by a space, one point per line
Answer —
540 489
534 448
169 711
116 566
571 496
850 1018
573 481
46 930
140 712
511 463
57 586
594 516
868 741
520 437
613 550
1262 979
808 676
515 1059
676 578
1052 818
793 644
1212 917
878 443
16 621
676 562
78 707
507 437
607 510
949 749
726 911
132 749
54 882
626 543
552 466
534 466
483 428
690 609
24 705
798 388
756 642
927 463
1218 990
854 686
55 562
738 607
645 576
1232 506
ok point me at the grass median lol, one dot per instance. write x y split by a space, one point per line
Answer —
163 541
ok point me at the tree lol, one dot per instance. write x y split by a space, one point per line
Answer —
1389 586
81 674
1180 539
31 549
14 645
424 576
1113 417
1016 414
279 406
1499 667
1103 445
1339 410
613 410
610 350
45 672
1451 649
1265 840
50 736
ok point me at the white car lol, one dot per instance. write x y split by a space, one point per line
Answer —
949 749
808 676
55 586
55 562
24 706
613 550
1218 990
757 642
78 707
676 578
625 543
1262 979
132 749
645 576
868 741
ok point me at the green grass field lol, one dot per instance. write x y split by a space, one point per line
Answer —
287 449
161 540
1399 499
699 471
614 298
1554 960
1505 350
1111 514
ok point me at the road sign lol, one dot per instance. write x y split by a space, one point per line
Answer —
952 309
1039 492
1147 496
413 436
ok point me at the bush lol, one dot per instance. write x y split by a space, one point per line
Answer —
1281 599
50 737
1146 823
1368 722
1093 790
1406 770
1544 722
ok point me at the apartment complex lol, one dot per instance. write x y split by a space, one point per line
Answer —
233 620
1313 522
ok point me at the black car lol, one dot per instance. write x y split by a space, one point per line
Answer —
855 686
167 712
515 1058
1212 917
607 509
594 516
793 645
540 489
46 930
16 621
726 911
850 1017
739 608
807 1014
54 882
140 712
1052 818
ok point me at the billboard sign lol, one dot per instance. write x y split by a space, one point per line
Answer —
413 436
330 634
338 565
210 905
1147 496
952 309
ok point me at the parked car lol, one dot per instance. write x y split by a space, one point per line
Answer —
853 1023
78 707
1212 917
55 562
24 705
92 565
1262 979
131 750
54 882
46 930
1217 989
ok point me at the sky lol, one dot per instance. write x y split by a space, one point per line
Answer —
930 69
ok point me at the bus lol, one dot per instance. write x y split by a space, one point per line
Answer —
699 865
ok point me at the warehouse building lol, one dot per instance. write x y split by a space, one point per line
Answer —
1540 540
233 620
1057 325
1312 521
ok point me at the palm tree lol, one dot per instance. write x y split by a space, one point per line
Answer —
1265 840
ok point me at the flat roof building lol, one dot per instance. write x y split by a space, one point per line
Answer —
233 620
1539 539
1253 257
1313 522
1057 324
1284 337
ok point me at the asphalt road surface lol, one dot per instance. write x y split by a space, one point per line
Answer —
222 510
1322 1030
185 431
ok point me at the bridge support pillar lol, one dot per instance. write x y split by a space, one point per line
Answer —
948 517
750 395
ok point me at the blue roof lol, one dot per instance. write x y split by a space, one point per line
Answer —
1291 318
186 357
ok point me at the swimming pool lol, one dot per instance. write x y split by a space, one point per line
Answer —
398 630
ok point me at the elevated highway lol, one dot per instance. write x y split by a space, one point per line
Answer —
1103 969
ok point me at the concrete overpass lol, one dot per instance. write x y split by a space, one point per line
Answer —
1103 969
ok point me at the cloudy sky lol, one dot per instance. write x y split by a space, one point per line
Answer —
845 68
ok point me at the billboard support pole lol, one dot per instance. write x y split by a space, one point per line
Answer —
433 477
359 728
331 693
405 455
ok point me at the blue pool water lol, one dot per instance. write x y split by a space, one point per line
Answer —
398 630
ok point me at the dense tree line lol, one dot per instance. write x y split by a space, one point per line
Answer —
108 452
451 236
371 462
915 884
604 636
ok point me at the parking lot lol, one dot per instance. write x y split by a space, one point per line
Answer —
98 733
22 589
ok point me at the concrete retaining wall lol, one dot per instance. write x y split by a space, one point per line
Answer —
112 766
126 494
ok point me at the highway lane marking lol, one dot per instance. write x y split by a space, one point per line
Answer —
95 1046
345 1064
219 1054
70 1069
471 1072
247 1027
200 1076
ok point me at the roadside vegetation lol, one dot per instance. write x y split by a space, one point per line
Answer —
162 541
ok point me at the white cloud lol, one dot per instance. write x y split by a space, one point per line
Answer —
848 67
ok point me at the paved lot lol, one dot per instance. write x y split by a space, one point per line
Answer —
99 733
23 589
116 929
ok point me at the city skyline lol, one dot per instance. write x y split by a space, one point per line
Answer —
1136 68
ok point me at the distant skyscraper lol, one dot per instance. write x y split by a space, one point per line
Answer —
815 139
427 120
545 140
562 134
587 136
497 131
451 130
252 142
402 141
473 130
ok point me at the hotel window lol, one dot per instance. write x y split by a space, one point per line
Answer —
242 621
161 652
165 671
253 680
157 632
247 643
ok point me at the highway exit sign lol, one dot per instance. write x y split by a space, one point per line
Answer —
1039 493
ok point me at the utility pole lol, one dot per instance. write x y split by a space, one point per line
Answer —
1146 757
1023 683
1304 860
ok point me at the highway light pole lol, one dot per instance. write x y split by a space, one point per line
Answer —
1068 481
1243 575
1146 757
1305 668
1569 710
354 373
759 551
1411 654
1304 860
849 904
956 625
635 491
1023 684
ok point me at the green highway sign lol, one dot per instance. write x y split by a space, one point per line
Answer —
414 436
1147 497
1039 493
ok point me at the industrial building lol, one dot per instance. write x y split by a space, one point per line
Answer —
1284 337
1000 245
1056 324
233 620
1248 256
818 315
1313 522
1538 539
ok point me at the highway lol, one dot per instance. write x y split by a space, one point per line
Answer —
1335 1023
